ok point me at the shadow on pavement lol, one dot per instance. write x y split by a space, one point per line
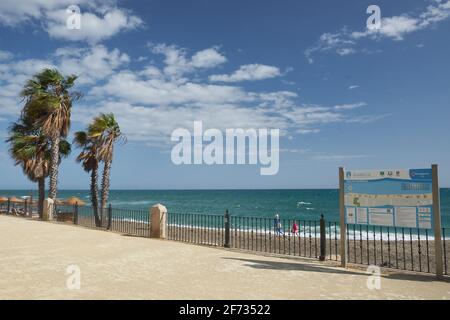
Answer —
277 265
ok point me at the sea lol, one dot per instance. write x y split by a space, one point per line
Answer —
301 204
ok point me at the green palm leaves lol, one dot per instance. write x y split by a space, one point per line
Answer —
97 144
37 140
30 149
48 104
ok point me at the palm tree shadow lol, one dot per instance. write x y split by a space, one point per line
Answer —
416 277
289 266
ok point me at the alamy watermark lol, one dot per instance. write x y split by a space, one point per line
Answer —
237 146
73 21
374 279
374 20
73 282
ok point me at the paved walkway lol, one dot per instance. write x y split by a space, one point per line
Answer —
34 256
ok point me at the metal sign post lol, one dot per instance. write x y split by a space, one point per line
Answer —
343 226
437 221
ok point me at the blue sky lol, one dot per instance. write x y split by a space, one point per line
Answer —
340 95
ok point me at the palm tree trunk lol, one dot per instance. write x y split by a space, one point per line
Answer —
54 164
41 198
94 193
105 187
105 183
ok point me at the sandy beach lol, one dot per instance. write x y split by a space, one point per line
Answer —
35 256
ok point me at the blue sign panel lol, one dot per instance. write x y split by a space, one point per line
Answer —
393 198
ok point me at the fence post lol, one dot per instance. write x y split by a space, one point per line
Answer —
8 211
109 217
75 214
437 222
323 245
25 207
342 223
158 214
227 229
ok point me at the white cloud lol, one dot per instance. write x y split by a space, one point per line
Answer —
208 58
94 27
157 123
345 51
248 72
392 27
5 55
396 28
177 63
355 86
14 12
307 131
13 75
90 64
129 86
367 118
163 97
148 98
99 20
350 106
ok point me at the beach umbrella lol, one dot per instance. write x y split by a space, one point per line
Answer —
73 201
60 201
16 200
3 199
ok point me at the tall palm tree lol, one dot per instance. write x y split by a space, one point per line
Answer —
32 151
89 159
106 129
49 103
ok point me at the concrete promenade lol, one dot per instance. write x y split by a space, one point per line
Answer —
34 256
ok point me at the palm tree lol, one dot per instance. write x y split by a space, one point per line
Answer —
48 104
88 157
106 129
31 150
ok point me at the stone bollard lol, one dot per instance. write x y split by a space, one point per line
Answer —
158 214
48 210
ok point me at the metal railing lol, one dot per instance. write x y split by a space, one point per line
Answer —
133 222
247 233
25 208
277 236
206 229
398 248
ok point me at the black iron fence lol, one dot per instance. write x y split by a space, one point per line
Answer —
134 222
25 208
280 236
206 229
399 248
